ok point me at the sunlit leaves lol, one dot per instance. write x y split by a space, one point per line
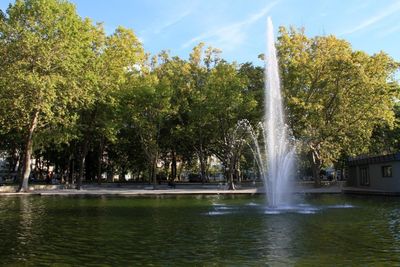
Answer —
335 95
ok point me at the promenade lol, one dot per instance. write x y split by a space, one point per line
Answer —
149 190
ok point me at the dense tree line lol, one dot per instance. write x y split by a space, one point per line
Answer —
336 96
90 103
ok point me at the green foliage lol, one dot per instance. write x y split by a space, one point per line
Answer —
335 96
45 46
146 107
45 49
72 93
385 137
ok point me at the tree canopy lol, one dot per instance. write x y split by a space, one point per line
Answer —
335 96
89 104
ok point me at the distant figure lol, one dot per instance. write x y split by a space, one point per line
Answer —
55 179
49 177
171 184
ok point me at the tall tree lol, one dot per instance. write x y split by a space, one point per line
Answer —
118 58
175 140
44 48
200 116
385 138
229 101
335 96
146 102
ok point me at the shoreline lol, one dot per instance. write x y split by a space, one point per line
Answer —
148 190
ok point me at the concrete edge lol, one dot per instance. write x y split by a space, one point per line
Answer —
170 192
370 192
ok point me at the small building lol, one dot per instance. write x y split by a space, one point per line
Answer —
374 175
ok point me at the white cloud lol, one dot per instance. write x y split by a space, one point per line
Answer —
230 36
374 19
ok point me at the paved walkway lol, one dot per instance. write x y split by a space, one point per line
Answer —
184 190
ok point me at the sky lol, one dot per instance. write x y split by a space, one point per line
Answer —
238 27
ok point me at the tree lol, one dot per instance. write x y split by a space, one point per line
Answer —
199 114
385 137
126 154
44 48
146 102
118 58
335 96
175 140
254 76
229 102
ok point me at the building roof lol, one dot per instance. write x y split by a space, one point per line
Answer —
361 160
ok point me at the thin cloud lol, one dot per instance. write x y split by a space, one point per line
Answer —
174 21
389 31
375 19
231 35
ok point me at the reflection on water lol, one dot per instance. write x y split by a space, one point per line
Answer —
335 230
279 235
20 217
25 234
394 228
219 208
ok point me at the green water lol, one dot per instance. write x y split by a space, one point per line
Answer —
185 231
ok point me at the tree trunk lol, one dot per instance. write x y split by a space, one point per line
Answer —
121 177
82 164
110 174
80 175
238 173
203 164
15 161
23 187
99 160
180 169
231 184
154 170
316 165
71 171
173 166
231 174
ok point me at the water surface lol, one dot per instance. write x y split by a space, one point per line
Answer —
171 231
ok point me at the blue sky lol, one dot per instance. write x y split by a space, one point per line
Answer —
238 26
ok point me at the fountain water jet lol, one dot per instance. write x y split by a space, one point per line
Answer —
280 153
274 154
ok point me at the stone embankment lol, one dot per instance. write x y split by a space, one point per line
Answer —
150 190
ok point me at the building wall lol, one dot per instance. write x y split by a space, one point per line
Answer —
389 184
352 176
377 181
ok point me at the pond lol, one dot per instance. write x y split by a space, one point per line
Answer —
198 230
